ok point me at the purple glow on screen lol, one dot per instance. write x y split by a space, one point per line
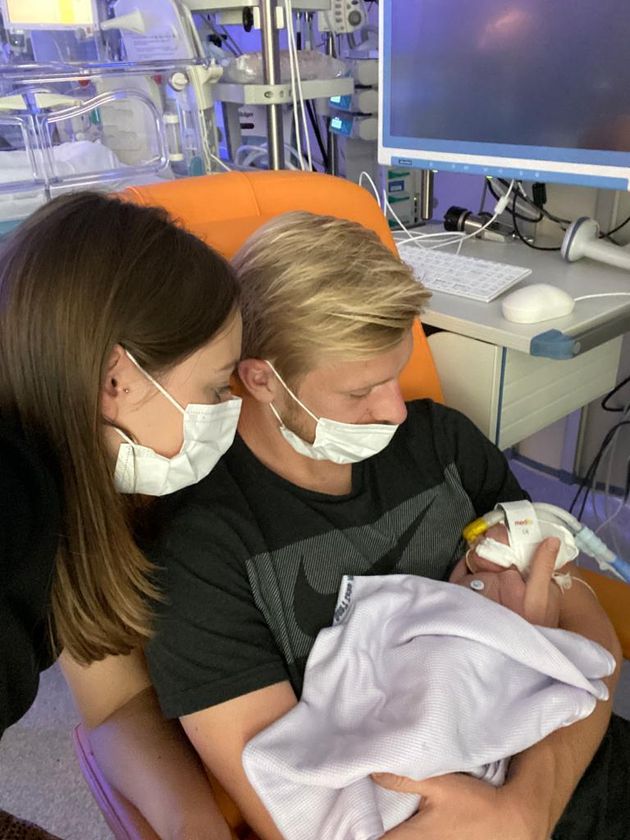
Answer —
526 72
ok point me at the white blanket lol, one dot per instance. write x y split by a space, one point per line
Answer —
419 678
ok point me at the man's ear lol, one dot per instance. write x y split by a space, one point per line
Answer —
259 379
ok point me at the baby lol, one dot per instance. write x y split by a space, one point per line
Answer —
512 566
417 676
509 587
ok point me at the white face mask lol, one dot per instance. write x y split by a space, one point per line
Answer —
208 433
341 443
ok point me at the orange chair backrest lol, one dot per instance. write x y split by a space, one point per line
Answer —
225 209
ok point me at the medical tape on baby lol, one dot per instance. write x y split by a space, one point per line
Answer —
499 553
546 526
521 555
523 527
289 391
505 556
523 535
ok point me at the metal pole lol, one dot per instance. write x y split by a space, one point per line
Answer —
426 194
333 148
271 71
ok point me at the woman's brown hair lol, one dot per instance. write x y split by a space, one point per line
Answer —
82 274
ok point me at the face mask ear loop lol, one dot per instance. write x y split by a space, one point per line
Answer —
156 384
123 435
276 415
291 394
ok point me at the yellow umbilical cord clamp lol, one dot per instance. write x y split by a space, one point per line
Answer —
475 529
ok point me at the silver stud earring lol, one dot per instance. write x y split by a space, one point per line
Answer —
126 390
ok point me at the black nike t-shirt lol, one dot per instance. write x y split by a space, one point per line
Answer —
29 528
251 564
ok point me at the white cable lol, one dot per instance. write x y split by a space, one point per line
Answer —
484 193
256 151
249 161
218 160
370 180
387 206
456 238
615 513
524 208
247 147
415 238
288 6
296 122
611 517
453 234
611 453
560 514
209 154
499 208
603 294
294 152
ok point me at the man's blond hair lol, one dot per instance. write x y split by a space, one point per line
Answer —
317 289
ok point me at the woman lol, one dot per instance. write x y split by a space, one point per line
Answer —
118 335
29 524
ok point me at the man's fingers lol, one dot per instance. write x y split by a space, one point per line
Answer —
539 580
401 784
435 786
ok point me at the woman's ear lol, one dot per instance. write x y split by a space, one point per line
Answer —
258 378
114 387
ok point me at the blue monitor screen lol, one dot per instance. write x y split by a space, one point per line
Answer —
534 89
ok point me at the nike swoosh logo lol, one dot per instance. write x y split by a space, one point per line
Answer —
314 610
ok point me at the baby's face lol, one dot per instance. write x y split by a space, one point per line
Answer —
504 586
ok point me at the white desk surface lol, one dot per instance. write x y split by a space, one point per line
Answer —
594 321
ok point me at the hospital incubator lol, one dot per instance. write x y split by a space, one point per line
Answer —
121 99
113 92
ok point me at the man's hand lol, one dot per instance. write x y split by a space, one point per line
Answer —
460 807
536 599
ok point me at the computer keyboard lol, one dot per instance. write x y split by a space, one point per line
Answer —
482 280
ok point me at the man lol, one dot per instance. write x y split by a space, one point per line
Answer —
331 474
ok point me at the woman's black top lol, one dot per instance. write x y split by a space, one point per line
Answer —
29 528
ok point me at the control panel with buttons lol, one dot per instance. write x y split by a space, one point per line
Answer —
345 16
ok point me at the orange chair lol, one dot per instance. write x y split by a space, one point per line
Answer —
224 210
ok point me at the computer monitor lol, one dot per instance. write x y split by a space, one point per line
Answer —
527 89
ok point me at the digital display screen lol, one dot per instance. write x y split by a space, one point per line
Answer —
509 80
